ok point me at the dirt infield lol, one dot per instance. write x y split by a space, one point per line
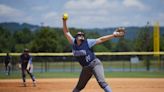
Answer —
66 85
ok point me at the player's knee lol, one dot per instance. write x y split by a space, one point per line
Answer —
103 84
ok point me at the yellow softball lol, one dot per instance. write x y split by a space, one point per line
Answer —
65 16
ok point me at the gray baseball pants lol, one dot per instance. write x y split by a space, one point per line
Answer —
95 68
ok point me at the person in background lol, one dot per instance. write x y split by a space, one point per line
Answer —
25 64
7 64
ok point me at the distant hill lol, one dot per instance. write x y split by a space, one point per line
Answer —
12 26
131 32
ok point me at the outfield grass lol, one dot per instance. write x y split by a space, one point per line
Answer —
17 75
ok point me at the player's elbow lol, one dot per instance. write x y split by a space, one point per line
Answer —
70 41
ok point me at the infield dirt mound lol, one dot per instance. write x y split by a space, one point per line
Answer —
66 85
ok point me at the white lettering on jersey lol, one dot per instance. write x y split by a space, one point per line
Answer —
79 52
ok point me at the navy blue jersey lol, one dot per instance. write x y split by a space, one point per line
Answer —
25 59
7 59
83 53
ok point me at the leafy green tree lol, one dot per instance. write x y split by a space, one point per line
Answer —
123 45
162 43
45 41
144 40
6 41
92 35
108 45
22 38
62 43
100 48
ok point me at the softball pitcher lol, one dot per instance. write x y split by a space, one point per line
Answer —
91 65
25 64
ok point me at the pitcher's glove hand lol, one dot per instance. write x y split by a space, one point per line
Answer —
119 32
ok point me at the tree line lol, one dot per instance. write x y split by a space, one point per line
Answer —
47 39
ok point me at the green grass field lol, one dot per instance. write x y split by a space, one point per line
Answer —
17 75
63 70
